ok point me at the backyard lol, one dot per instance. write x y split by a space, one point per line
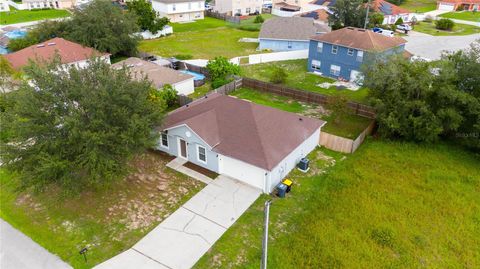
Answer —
463 15
420 6
205 39
17 16
299 78
107 221
458 29
389 205
348 126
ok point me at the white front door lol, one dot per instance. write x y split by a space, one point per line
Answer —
182 149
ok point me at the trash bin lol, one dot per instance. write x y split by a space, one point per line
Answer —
281 190
289 183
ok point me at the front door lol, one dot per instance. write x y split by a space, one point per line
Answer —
182 148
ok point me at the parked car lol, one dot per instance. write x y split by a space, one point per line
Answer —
267 5
404 27
377 29
382 31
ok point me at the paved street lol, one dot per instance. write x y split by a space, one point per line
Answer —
18 251
182 239
431 47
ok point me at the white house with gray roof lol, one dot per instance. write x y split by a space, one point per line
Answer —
289 33
179 10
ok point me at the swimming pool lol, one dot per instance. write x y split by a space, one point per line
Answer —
196 76
16 34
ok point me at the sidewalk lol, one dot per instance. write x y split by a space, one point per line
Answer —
18 251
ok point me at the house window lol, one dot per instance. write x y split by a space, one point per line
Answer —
359 56
289 44
334 49
350 52
202 154
174 7
189 6
320 47
197 15
199 4
164 140
247 10
335 70
316 65
239 11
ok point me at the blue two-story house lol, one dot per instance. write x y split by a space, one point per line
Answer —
340 54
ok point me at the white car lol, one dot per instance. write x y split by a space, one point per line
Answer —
404 27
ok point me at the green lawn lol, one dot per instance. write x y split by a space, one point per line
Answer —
349 126
299 78
463 15
200 25
249 25
201 91
107 221
420 6
388 205
458 29
17 16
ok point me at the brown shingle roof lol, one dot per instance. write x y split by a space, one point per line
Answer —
157 74
388 8
68 51
290 28
256 134
360 39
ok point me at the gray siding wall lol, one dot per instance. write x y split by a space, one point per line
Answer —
192 142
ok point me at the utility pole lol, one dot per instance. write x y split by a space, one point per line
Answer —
366 16
266 212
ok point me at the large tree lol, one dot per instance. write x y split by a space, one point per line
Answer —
77 127
348 13
99 24
146 16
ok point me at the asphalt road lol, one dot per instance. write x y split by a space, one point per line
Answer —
18 251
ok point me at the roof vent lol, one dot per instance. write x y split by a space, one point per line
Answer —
40 45
350 28
300 119
52 44
361 30
186 105
206 96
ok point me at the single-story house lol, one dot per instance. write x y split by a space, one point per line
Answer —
179 10
452 5
289 33
255 144
319 15
70 53
159 76
391 13
55 4
340 54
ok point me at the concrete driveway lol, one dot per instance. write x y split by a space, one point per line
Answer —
182 239
18 251
431 47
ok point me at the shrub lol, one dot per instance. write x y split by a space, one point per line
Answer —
219 82
399 21
338 107
444 24
383 237
169 95
259 19
222 68
279 75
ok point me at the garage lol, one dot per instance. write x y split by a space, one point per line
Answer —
446 6
242 171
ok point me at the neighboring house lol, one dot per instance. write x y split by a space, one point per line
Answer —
452 5
70 53
158 75
4 6
319 15
288 33
255 144
391 12
339 54
238 7
179 10
56 4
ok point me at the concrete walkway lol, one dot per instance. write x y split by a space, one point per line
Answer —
186 235
18 251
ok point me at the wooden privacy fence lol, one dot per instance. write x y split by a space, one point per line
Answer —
305 96
342 144
230 87
222 16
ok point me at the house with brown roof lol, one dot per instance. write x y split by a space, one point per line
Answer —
70 53
452 5
255 144
341 53
159 75
289 33
391 13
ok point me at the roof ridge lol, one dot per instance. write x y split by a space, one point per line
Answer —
267 161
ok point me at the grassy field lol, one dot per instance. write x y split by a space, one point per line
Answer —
349 126
17 16
389 205
458 29
201 91
107 221
420 6
299 78
463 15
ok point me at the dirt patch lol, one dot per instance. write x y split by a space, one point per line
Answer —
201 170
323 163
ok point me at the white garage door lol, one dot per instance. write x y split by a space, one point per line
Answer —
244 172
447 7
